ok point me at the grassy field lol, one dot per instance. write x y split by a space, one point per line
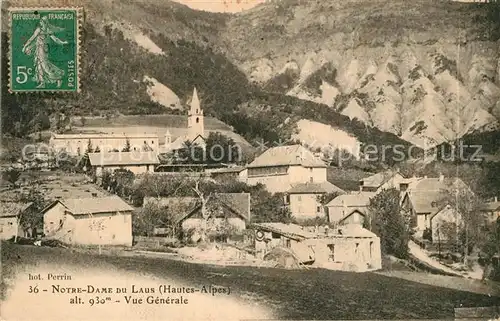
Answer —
55 185
304 294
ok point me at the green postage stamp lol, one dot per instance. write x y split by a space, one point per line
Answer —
44 49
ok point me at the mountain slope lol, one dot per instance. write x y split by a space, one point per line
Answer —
145 58
380 49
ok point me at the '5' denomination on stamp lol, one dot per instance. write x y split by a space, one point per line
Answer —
44 49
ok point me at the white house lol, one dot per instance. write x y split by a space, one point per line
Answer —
9 219
136 162
349 208
234 172
280 168
77 144
304 199
380 181
89 221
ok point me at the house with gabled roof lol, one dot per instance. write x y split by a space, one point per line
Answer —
279 168
10 213
380 181
230 208
89 221
136 162
349 208
304 199
425 200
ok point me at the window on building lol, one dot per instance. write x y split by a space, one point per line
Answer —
197 120
318 209
331 256
371 249
263 171
356 249
299 198
311 179
288 243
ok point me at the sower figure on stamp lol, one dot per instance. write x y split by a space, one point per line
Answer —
45 70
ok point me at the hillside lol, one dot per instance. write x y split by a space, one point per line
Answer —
427 71
145 57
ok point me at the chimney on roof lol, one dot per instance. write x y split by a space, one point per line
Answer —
441 177
425 176
496 199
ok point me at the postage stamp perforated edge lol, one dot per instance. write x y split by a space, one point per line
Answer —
79 21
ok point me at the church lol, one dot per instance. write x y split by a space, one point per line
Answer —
195 128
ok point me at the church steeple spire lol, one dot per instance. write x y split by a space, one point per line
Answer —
195 104
196 126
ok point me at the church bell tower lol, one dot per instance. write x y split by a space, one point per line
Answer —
196 126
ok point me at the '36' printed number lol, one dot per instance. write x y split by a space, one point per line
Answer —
22 74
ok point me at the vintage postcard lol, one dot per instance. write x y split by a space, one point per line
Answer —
250 160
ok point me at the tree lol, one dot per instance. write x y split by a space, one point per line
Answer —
386 221
124 180
222 149
90 148
267 207
189 153
470 217
31 218
11 175
127 147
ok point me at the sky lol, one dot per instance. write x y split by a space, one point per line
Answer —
221 5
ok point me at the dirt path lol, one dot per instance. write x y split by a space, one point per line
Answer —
422 255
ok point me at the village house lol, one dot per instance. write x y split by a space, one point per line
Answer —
349 247
77 144
229 211
279 168
304 199
89 221
136 162
10 213
380 181
491 210
425 202
229 173
443 224
349 208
